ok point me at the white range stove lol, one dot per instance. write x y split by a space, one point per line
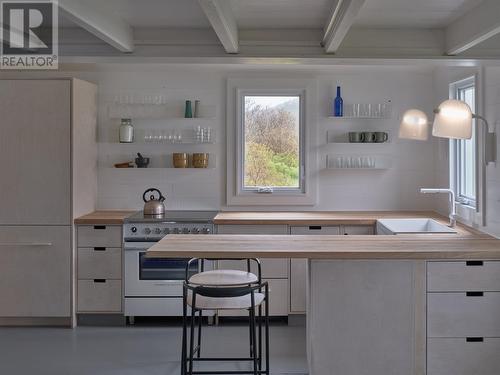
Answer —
153 287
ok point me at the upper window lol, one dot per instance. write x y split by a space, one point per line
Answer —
271 143
463 151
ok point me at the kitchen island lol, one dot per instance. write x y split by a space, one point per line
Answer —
377 305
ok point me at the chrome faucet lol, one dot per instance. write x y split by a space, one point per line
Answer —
452 207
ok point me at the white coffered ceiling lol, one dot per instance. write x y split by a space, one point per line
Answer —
412 13
286 28
281 13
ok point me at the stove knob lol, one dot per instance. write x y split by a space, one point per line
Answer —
147 230
195 231
133 229
185 230
176 230
206 231
157 231
166 231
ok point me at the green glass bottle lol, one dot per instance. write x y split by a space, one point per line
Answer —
188 112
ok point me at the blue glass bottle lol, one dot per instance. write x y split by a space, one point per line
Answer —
338 105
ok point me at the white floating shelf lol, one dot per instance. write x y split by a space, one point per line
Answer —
158 111
166 137
157 162
360 117
358 162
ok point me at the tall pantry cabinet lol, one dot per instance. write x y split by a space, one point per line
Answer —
48 177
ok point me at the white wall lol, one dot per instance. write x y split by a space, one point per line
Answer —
392 189
492 114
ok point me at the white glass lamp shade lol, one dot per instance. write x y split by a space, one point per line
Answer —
453 119
414 125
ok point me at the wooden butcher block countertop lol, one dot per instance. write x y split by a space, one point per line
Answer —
103 217
422 246
332 218
468 243
318 217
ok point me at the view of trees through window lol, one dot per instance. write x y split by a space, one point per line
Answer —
272 141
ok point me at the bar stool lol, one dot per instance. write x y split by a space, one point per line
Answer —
224 290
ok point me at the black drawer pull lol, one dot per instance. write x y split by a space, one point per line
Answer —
99 248
474 294
474 263
474 339
99 226
314 227
99 280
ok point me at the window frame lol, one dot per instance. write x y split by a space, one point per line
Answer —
235 196
240 141
455 148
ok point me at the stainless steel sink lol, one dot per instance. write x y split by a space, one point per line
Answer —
409 226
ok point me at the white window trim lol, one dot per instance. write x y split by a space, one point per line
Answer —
454 149
236 88
467 214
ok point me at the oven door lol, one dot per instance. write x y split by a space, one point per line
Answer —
153 277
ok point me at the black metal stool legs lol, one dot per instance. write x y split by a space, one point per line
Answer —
184 334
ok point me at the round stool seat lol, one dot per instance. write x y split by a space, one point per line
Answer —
225 303
223 278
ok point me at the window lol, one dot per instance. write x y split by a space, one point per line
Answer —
463 151
272 157
271 143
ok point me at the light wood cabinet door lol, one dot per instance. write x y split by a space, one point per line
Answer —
99 263
315 230
366 317
99 295
358 230
99 235
298 286
462 276
463 314
462 356
35 271
35 149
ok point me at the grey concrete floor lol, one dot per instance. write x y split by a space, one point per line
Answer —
137 350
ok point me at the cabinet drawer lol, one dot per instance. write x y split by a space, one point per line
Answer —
315 229
278 298
99 235
463 276
358 230
252 229
463 314
456 356
99 295
99 263
270 268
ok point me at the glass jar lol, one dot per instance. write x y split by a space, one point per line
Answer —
126 131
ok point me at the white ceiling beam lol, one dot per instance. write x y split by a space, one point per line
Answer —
340 21
474 27
223 22
105 26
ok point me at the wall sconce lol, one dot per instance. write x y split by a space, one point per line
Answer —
453 120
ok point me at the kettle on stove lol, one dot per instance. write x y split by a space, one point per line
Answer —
152 205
